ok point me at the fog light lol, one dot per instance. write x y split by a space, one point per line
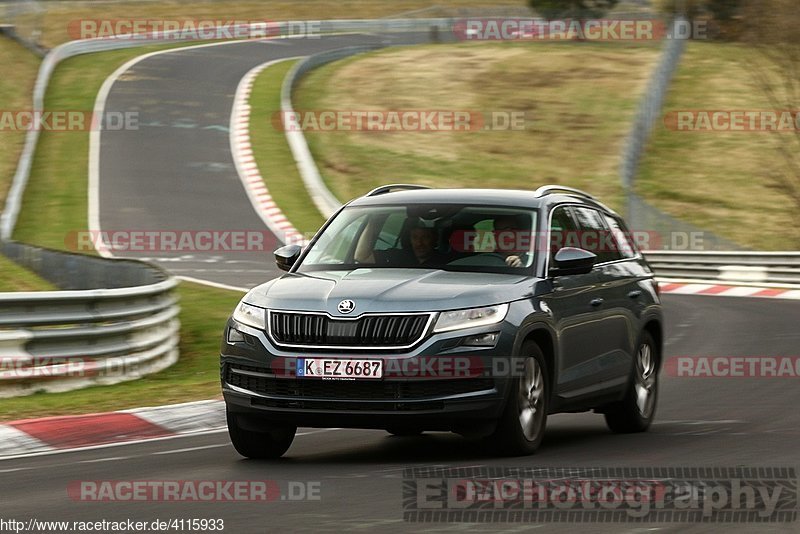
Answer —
234 336
482 340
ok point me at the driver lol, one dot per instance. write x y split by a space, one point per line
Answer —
509 223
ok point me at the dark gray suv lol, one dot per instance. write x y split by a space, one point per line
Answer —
476 311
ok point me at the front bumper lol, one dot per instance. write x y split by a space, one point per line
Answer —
258 380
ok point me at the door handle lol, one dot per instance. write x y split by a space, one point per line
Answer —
596 302
635 294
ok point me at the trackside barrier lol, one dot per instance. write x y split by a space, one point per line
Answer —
731 267
62 340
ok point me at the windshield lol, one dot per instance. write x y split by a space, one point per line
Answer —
426 236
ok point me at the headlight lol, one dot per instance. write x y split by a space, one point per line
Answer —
456 319
250 315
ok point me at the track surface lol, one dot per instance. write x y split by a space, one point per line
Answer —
175 173
701 422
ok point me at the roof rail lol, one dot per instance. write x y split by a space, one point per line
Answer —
394 187
555 189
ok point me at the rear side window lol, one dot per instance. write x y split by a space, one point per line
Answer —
621 236
595 236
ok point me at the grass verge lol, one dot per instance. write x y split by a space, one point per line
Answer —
15 94
572 135
720 180
55 203
16 278
272 153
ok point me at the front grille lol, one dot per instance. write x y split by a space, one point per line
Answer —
367 331
353 390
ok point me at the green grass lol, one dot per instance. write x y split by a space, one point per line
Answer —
15 94
272 153
720 180
578 101
55 203
16 278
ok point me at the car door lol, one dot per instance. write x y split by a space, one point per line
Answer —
574 314
611 332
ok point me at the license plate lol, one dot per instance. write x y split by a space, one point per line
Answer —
342 369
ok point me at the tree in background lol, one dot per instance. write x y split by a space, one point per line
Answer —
724 16
577 9
771 31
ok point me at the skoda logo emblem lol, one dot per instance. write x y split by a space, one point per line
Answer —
346 306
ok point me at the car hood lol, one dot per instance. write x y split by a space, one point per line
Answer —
389 290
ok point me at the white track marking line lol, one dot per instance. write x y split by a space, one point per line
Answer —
249 174
212 284
137 442
190 449
109 459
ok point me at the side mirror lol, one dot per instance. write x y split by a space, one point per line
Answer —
286 256
569 261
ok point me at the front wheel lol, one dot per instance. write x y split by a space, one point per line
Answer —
259 443
520 429
637 410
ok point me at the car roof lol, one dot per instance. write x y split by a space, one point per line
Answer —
482 197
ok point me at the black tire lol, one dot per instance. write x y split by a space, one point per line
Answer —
271 441
404 432
637 410
513 437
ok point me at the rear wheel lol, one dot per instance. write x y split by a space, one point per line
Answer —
252 441
637 410
520 429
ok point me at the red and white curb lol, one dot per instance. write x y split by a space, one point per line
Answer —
246 165
49 434
722 290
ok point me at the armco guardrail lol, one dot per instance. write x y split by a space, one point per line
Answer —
61 340
733 267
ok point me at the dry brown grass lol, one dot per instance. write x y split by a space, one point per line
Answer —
720 181
578 101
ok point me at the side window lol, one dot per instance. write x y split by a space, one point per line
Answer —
561 228
337 249
594 235
621 237
389 236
